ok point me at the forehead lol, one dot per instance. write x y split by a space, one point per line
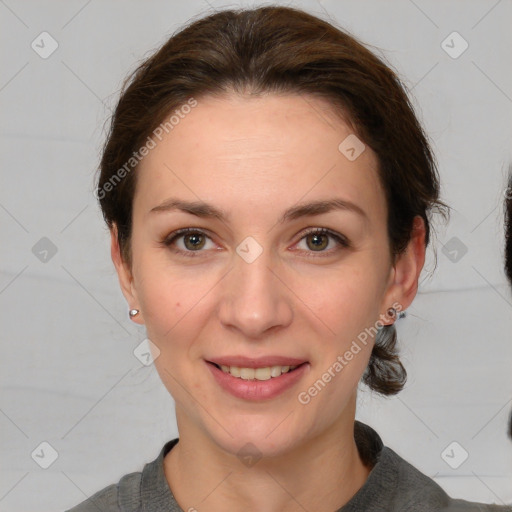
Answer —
262 151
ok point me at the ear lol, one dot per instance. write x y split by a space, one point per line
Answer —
124 275
403 282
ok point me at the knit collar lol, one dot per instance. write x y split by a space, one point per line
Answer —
156 495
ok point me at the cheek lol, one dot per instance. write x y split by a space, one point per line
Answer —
345 301
174 305
167 293
177 307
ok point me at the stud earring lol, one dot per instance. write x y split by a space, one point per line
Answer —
391 313
133 312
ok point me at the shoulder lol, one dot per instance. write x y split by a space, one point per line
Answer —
418 492
395 484
124 496
146 489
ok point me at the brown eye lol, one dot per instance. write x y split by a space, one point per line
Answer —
194 241
323 242
317 241
189 242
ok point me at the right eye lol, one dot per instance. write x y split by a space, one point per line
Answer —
187 241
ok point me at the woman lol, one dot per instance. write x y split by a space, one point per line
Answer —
268 191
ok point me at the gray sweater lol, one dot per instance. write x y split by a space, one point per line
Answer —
392 485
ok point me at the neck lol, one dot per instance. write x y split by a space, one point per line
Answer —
322 474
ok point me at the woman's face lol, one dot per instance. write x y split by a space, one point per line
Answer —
250 286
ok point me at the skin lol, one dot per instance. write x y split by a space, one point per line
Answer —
254 157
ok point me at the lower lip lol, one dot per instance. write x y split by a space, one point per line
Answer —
257 389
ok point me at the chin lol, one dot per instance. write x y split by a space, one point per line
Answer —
257 447
258 435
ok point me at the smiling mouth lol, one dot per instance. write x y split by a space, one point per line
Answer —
264 373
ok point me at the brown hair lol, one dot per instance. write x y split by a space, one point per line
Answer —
280 50
508 227
508 249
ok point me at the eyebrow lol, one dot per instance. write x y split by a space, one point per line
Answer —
205 210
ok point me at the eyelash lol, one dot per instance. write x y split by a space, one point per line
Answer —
341 240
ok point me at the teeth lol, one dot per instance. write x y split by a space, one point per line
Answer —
275 371
247 373
262 374
257 373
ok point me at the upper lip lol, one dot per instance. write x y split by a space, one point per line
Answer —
256 362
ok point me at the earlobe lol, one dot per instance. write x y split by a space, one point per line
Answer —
124 275
407 269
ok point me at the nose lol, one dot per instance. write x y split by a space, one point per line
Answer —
255 299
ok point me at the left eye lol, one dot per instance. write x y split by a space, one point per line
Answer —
318 240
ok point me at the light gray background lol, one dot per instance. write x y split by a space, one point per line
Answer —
68 373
